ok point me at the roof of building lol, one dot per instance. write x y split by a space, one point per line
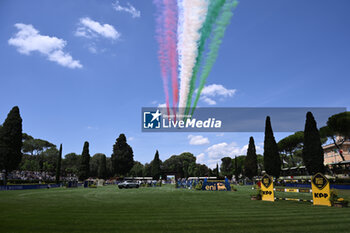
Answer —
332 145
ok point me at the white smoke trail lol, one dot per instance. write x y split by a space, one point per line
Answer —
194 13
180 28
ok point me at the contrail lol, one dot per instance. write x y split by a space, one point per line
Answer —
161 51
180 28
170 27
194 15
214 45
206 30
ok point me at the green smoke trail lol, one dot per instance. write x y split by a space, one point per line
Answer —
212 15
214 45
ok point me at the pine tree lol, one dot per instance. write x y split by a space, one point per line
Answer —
11 142
251 162
58 167
313 154
122 157
272 160
84 169
155 166
226 167
102 168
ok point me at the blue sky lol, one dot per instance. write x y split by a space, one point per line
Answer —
91 86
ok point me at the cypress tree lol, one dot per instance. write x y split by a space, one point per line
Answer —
155 166
236 169
122 157
11 142
84 169
102 168
313 154
272 160
58 167
251 161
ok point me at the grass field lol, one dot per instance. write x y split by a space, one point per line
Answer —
165 209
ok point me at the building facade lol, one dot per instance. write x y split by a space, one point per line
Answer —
332 155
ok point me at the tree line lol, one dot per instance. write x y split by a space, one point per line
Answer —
19 150
22 151
300 148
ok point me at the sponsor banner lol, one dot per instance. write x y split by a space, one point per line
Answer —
28 186
216 185
292 190
296 185
303 190
267 188
292 199
320 190
231 119
183 183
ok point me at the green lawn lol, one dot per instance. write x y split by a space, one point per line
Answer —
165 209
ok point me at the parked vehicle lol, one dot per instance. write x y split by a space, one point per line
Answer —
128 184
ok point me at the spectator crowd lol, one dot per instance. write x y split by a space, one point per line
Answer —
36 176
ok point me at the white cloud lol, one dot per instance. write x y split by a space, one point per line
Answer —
198 140
129 9
220 150
211 163
92 49
92 128
213 154
29 40
131 138
89 28
208 100
259 148
64 59
224 149
162 105
200 158
162 108
215 90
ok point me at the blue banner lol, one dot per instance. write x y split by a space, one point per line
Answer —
216 185
333 186
29 186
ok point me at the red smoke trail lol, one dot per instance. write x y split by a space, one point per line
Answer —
162 56
170 28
